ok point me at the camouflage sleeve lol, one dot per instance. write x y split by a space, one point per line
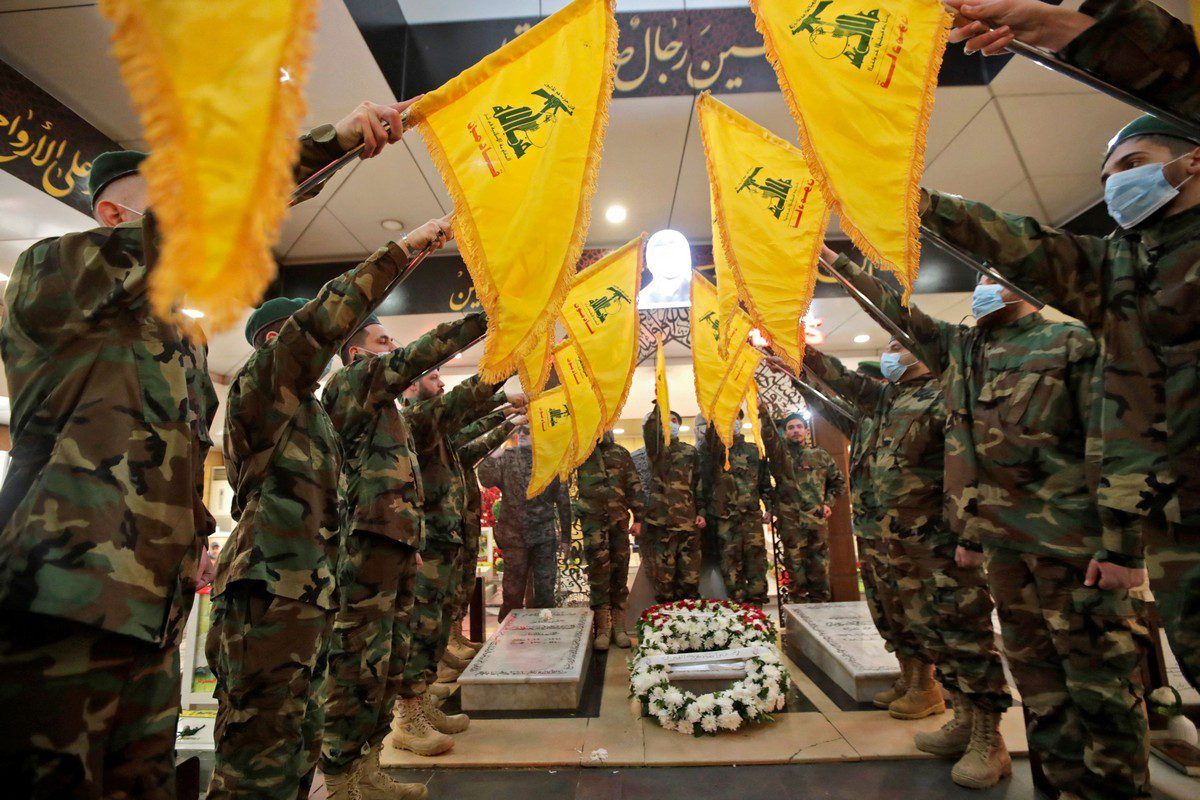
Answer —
393 373
632 486
932 337
699 489
470 399
652 438
476 429
764 478
318 148
477 448
1059 268
489 473
707 465
1139 47
835 482
862 392
562 500
773 444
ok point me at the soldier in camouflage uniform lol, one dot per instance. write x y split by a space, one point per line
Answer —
735 510
104 520
1019 393
674 513
382 531
434 416
527 530
608 492
276 585
807 484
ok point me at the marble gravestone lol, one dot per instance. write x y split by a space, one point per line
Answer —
842 641
531 662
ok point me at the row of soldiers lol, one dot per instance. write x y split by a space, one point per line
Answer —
337 594
1043 469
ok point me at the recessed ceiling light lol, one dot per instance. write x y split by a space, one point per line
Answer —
391 224
616 214
862 338
746 426
193 313
684 428
618 431
3 278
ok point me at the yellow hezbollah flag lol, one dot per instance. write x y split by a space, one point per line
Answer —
859 77
753 418
600 314
771 220
660 394
552 434
727 290
517 141
534 367
733 391
582 401
221 128
708 367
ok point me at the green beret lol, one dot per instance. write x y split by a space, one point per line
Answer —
107 167
792 416
371 320
870 369
1148 125
270 312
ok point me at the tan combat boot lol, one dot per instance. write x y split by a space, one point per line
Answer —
889 696
951 739
442 722
375 784
619 635
412 732
986 760
463 643
441 691
454 662
924 695
603 627
447 673
343 786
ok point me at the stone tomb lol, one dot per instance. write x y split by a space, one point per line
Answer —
842 641
531 662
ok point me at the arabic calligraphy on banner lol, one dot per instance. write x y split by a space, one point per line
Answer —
44 143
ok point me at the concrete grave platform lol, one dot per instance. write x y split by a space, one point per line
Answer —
530 662
842 641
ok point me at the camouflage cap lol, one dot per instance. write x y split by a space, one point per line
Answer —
107 167
1148 125
371 320
270 312
870 369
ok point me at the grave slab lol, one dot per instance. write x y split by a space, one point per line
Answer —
842 641
531 662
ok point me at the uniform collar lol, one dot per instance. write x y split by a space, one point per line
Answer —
1022 324
1169 230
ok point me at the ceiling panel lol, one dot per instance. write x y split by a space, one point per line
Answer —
1020 199
29 213
342 72
980 163
326 238
1065 196
1076 143
953 109
1022 76
301 215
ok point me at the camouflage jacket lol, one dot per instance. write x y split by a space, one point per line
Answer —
521 520
641 462
676 491
1141 48
900 467
433 423
281 450
1018 398
1139 293
381 491
739 489
473 443
806 478
110 532
609 487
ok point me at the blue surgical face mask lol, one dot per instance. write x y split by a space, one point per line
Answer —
892 367
674 430
986 300
1133 195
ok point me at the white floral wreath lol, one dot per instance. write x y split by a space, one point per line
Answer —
695 626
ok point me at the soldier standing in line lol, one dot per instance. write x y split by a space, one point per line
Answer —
434 416
609 491
382 532
1019 392
735 509
674 513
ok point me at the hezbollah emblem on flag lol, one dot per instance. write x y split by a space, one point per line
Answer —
860 37
596 309
509 132
784 198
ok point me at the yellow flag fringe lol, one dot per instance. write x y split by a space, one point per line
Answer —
496 366
222 294
755 421
538 358
584 441
661 394
916 158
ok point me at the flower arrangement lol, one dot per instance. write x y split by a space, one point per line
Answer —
490 497
696 626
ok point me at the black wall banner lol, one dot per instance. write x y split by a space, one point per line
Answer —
44 143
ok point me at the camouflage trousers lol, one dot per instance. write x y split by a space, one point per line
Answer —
676 563
883 600
606 548
470 569
1073 651
1173 562
267 653
524 565
368 646
743 557
85 713
949 609
806 559
433 609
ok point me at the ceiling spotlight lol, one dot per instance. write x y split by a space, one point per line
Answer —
391 224
616 214
193 313
3 278
684 429
862 338
746 426
618 431
458 355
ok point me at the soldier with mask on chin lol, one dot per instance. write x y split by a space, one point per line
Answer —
674 513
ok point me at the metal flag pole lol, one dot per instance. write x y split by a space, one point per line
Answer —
1050 61
833 403
982 268
318 178
876 314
